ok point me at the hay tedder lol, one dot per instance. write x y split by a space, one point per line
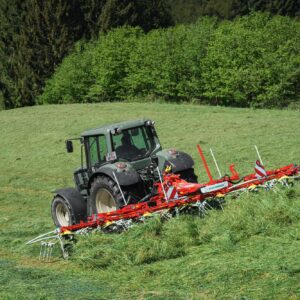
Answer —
126 177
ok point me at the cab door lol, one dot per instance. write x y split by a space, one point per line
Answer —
96 151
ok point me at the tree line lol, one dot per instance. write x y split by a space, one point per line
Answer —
35 35
187 11
252 61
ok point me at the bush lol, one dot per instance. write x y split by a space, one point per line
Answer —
251 61
110 64
1 101
72 79
94 71
168 63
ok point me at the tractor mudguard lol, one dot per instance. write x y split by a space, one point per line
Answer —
126 176
178 160
74 200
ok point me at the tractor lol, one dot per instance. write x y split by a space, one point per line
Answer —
119 165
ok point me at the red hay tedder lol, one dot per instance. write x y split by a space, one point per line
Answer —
174 192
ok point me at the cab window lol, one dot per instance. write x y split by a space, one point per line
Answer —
133 143
139 138
103 148
97 149
93 150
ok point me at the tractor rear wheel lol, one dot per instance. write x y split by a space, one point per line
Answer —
189 175
105 195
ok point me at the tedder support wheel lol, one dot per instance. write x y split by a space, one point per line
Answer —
105 195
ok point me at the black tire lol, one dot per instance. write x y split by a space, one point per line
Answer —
62 213
111 198
67 208
105 195
189 175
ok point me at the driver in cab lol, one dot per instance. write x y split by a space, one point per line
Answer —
127 150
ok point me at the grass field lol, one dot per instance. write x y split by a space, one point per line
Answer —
250 251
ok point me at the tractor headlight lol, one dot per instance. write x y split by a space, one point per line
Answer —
149 123
116 131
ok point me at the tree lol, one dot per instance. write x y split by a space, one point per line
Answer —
37 34
91 10
148 14
280 7
186 11
11 13
50 30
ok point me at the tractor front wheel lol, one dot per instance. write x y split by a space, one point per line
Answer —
61 212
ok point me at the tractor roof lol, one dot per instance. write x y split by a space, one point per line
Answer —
104 129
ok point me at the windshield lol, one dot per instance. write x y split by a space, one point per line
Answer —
134 143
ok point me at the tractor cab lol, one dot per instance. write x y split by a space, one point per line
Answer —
133 142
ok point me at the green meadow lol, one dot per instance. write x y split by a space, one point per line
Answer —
248 251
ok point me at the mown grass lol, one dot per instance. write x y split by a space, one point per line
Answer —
249 251
265 214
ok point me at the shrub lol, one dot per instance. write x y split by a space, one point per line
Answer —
94 71
110 64
72 79
168 63
251 61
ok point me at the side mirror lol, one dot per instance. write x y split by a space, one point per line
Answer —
69 146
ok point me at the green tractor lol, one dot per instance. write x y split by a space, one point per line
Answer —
119 165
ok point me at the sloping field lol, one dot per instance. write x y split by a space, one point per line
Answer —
250 251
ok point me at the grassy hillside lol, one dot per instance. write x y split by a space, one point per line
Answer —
250 251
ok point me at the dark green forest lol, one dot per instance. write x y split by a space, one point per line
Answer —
187 11
214 52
